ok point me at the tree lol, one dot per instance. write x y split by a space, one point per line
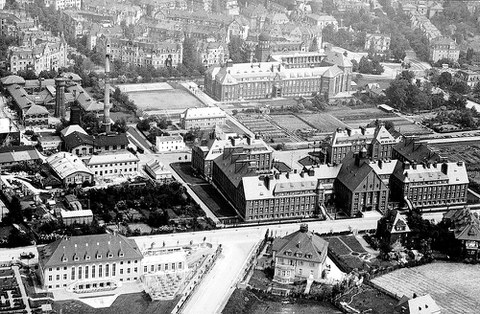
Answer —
460 88
476 90
236 47
445 80
90 123
120 126
143 125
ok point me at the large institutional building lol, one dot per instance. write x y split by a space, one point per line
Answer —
298 74
92 261
366 169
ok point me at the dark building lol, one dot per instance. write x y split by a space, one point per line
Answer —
358 188
392 227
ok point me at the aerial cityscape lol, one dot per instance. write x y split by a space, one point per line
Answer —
239 156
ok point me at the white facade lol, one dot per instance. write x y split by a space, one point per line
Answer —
170 143
203 118
50 142
113 164
157 170
84 216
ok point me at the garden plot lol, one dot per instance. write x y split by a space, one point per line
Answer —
290 122
454 286
323 122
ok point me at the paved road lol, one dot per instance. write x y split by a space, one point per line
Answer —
219 283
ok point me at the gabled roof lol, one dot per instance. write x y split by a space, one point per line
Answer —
399 224
72 128
113 139
419 305
302 244
20 96
36 109
76 139
12 79
412 151
337 58
18 153
351 174
470 233
88 249
332 72
65 164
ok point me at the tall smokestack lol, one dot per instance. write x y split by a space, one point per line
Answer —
106 100
60 97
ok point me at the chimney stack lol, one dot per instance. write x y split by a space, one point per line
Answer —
60 98
106 101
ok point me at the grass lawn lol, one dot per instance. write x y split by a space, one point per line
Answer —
370 298
323 122
454 286
164 100
247 302
207 193
134 303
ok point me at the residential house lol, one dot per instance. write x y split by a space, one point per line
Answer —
377 42
113 164
299 256
444 48
17 155
465 227
417 305
203 118
393 227
469 77
158 171
51 142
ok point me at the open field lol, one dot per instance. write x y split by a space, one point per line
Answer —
366 298
323 122
469 152
290 122
172 99
454 286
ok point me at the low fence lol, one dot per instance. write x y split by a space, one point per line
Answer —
195 280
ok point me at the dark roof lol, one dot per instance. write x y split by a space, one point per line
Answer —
281 166
351 174
113 139
302 244
20 96
88 249
76 139
224 162
417 152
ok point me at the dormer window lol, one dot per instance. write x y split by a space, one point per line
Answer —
64 259
110 255
87 257
99 256
75 258
121 254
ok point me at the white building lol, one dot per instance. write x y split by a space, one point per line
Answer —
203 118
170 143
69 168
157 170
84 263
64 4
113 164
84 216
50 142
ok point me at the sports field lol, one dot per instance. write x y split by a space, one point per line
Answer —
168 99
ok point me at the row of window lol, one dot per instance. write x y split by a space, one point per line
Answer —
163 267
281 215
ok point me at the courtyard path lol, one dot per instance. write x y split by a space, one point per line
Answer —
407 281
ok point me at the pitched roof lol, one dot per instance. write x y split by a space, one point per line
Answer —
351 174
109 158
65 164
112 139
412 151
421 305
20 96
76 139
18 153
337 58
12 79
88 249
301 244
469 233
36 109
72 128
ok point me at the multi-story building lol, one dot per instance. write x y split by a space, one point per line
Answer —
444 48
358 187
17 155
423 23
45 56
429 184
321 20
213 53
377 42
469 77
89 263
299 256
170 143
82 216
35 117
69 169
378 142
299 194
113 164
80 143
52 142
64 4
9 133
273 79
15 23
203 118
410 150
139 53
465 227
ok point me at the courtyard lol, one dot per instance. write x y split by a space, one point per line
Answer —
454 286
